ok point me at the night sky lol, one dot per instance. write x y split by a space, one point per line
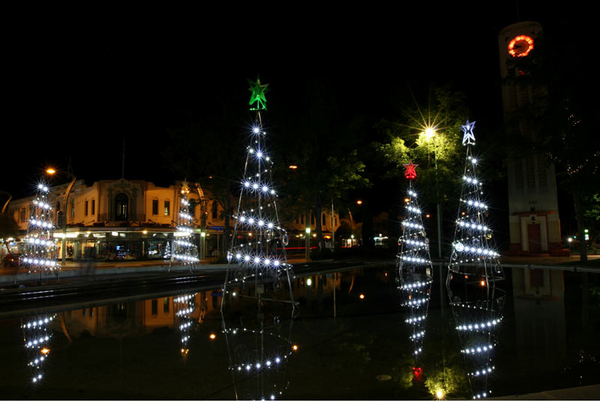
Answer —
75 90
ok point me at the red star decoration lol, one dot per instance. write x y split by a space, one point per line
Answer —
410 174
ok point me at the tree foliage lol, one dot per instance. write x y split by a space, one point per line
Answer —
8 228
207 150
323 146
439 156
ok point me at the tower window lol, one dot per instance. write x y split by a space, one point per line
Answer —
121 207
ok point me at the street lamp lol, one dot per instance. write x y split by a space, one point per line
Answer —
203 245
63 249
428 135
307 243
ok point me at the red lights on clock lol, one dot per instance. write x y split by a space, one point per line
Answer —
520 46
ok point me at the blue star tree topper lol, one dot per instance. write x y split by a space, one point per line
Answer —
258 95
468 137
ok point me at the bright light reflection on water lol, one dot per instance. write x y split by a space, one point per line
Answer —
181 346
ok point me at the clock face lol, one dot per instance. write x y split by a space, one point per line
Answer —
520 46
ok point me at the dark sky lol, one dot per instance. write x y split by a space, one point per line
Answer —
76 89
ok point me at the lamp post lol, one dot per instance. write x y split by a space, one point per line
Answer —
307 243
63 249
430 135
202 245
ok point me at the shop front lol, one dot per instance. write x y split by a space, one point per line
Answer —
128 243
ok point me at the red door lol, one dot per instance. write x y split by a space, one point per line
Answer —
534 235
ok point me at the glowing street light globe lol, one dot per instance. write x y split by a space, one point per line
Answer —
429 133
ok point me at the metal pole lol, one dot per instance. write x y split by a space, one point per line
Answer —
307 243
332 231
439 227
334 303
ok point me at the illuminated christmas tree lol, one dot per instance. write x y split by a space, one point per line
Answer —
36 337
474 272
185 307
259 241
185 251
40 253
259 344
414 267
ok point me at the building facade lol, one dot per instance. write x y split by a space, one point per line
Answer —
125 219
297 228
136 219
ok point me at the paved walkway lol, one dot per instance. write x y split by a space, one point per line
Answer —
9 277
575 393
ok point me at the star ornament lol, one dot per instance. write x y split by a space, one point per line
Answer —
410 173
258 95
468 137
185 188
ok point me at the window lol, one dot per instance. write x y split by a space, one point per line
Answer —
166 305
121 207
22 215
536 277
519 182
86 208
167 208
324 219
542 171
154 207
529 167
155 306
93 207
73 208
215 210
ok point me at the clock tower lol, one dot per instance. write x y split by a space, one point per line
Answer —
532 198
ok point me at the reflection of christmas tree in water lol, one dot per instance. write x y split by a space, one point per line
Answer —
258 334
415 269
37 343
474 271
185 306
259 241
184 250
40 253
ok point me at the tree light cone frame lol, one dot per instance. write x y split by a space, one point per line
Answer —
258 243
185 251
40 251
474 271
415 270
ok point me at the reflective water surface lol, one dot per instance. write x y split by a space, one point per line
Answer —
347 338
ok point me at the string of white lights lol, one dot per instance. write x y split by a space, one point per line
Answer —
40 251
185 251
414 266
474 269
